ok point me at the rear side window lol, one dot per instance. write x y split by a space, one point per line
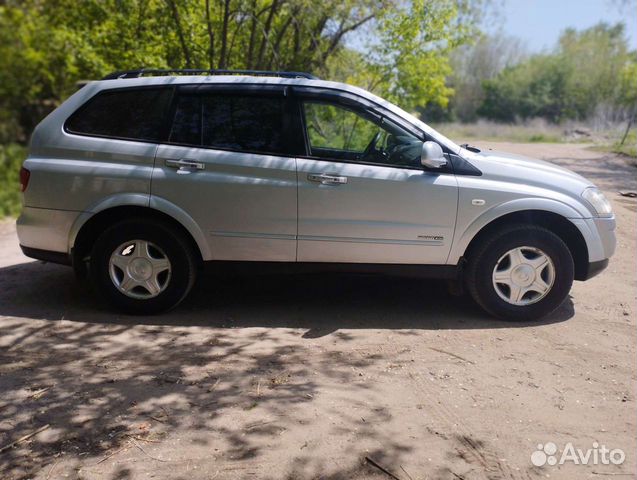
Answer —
187 121
230 122
135 114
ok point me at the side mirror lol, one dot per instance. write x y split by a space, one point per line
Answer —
432 155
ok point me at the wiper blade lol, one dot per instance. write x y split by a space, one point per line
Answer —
471 148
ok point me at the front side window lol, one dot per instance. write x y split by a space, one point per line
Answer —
230 122
337 132
135 114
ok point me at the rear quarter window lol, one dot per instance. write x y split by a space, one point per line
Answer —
131 114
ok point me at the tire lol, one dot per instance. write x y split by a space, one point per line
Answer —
497 277
123 280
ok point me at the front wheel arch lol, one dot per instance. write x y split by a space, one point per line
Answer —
522 247
561 226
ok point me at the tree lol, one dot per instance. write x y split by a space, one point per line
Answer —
46 47
582 75
628 95
475 63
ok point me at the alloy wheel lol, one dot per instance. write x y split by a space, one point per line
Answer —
139 269
523 276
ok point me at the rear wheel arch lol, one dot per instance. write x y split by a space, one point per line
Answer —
94 226
561 226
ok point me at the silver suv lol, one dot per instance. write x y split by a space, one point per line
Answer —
138 179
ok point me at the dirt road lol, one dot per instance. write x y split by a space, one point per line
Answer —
303 377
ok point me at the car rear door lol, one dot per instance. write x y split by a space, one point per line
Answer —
226 164
363 195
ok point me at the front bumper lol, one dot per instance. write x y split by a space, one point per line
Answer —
601 241
606 230
594 268
599 235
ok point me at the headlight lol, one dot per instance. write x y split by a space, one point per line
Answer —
598 201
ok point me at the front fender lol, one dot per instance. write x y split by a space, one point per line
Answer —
464 234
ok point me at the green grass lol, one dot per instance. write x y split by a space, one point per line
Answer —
11 158
629 148
533 131
544 138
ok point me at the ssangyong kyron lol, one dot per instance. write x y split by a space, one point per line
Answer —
139 178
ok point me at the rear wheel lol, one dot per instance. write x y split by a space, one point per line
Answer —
521 272
142 266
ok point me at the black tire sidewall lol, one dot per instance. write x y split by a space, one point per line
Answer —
176 249
482 270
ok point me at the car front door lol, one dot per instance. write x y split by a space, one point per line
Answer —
363 195
225 164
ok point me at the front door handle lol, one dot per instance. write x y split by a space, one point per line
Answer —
326 179
186 164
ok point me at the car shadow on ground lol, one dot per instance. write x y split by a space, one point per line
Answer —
102 380
321 303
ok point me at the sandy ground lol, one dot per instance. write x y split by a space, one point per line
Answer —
303 377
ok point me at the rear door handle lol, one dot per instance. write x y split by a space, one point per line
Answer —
326 179
186 164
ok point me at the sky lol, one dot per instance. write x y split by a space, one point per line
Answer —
539 22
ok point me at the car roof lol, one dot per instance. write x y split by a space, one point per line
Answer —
164 80
235 79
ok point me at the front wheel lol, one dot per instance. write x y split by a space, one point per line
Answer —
142 266
521 272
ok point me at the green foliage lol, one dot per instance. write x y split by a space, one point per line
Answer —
472 65
407 59
589 69
11 158
533 89
337 128
628 85
47 47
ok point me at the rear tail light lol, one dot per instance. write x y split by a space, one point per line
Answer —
24 179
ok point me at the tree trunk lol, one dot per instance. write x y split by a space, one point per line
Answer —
266 32
224 35
211 38
253 33
297 44
233 38
180 33
276 55
141 17
630 124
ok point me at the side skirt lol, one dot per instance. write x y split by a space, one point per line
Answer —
448 272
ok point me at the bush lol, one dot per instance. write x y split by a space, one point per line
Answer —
11 158
589 69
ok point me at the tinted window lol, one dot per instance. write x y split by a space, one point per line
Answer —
187 121
336 132
233 122
337 128
132 113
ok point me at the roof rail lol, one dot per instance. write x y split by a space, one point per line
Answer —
189 71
